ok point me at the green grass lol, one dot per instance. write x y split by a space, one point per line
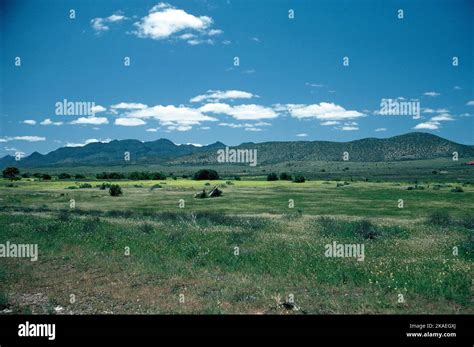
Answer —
247 197
190 251
194 255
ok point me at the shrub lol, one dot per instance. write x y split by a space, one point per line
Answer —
285 176
79 176
46 177
439 218
206 174
146 228
10 172
63 215
154 187
468 222
90 224
63 176
366 229
110 176
237 178
115 190
104 186
159 176
299 179
272 177
85 185
457 190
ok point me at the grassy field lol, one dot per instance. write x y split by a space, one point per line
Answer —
244 252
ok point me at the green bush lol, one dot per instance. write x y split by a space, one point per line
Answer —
439 218
366 229
64 176
272 177
10 172
285 176
155 186
85 186
299 179
104 186
206 174
115 190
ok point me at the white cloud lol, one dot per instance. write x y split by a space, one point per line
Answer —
434 122
439 110
214 32
427 125
152 130
101 24
195 42
29 122
470 103
91 120
217 95
432 94
442 117
322 111
174 118
381 129
179 128
253 129
164 20
24 138
241 112
98 109
244 125
457 88
330 122
86 142
48 121
349 128
128 106
314 85
302 135
129 122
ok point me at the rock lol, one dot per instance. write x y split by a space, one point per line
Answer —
201 195
215 192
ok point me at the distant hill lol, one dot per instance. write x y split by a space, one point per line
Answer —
404 147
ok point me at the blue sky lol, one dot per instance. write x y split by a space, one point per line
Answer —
182 83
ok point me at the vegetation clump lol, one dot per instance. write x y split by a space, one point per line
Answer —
115 190
206 174
272 177
439 218
299 179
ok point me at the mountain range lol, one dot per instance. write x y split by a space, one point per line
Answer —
411 146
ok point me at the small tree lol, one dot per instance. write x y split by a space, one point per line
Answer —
285 176
115 190
299 179
272 177
64 176
46 177
206 174
10 173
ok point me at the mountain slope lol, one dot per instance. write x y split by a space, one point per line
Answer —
404 147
